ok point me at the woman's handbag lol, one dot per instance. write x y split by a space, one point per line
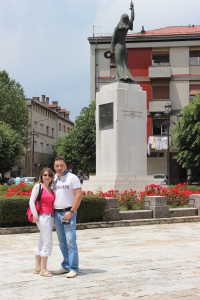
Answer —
37 206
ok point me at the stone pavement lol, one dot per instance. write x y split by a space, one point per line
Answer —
139 262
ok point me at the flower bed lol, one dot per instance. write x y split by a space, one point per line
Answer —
177 196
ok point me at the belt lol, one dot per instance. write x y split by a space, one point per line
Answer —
52 215
63 209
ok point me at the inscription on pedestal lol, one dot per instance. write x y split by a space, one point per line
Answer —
106 116
132 113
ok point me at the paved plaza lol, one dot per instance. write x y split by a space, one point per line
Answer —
138 262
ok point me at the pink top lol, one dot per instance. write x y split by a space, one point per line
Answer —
47 199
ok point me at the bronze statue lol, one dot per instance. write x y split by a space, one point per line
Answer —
118 43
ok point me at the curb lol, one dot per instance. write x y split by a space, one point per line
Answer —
109 224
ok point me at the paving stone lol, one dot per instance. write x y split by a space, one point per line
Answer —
158 261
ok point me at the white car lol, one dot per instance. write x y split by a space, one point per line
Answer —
160 177
29 180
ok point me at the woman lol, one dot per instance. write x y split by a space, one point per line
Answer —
118 43
44 221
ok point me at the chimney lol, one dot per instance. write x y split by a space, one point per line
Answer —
142 31
55 102
47 100
67 114
43 98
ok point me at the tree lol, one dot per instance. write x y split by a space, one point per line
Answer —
13 110
11 147
187 137
79 147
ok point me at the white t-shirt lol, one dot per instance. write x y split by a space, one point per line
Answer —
64 190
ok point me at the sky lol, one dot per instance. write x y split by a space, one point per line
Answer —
44 43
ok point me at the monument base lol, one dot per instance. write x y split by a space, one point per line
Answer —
116 182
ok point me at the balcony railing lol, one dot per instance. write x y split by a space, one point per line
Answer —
160 71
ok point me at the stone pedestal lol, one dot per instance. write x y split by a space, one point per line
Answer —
194 201
158 204
121 139
111 211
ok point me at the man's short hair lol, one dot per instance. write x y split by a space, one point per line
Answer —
60 158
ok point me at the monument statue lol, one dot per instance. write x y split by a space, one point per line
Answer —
118 43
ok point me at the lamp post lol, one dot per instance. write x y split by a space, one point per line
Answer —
167 113
33 137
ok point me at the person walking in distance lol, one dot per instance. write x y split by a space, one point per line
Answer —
68 193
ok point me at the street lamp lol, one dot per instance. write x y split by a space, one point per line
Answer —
33 137
167 113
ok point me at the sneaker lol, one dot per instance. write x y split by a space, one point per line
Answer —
61 271
71 274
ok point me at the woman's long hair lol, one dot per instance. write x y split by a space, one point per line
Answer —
50 173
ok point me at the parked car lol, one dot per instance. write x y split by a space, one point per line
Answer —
29 180
11 180
161 177
193 180
81 178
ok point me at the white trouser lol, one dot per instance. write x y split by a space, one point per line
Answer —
45 243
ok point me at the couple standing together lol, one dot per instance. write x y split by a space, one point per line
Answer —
61 197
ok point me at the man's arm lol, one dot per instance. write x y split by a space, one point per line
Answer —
77 201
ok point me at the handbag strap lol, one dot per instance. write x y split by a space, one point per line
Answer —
40 194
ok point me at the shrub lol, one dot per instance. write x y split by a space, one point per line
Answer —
13 210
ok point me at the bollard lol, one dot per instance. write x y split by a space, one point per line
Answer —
158 204
194 201
112 211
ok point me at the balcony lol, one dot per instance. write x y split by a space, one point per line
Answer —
160 71
158 105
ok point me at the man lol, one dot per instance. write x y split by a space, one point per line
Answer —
68 192
17 180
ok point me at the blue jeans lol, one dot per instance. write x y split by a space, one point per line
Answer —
67 241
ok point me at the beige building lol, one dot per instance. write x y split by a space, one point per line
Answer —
48 122
166 64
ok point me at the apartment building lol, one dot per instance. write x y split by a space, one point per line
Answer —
166 64
48 122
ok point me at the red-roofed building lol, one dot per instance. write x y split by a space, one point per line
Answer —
166 64
48 123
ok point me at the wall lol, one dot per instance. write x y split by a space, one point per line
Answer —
179 60
179 94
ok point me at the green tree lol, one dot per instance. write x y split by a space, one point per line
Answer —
187 137
11 147
79 147
13 110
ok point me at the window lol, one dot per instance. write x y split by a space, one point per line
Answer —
160 56
35 126
194 57
47 148
41 111
47 130
162 130
36 108
68 129
35 146
64 129
160 92
59 127
52 132
194 88
41 147
41 128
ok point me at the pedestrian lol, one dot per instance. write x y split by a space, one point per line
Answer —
44 220
17 180
68 193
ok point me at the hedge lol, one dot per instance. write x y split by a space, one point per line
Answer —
13 210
